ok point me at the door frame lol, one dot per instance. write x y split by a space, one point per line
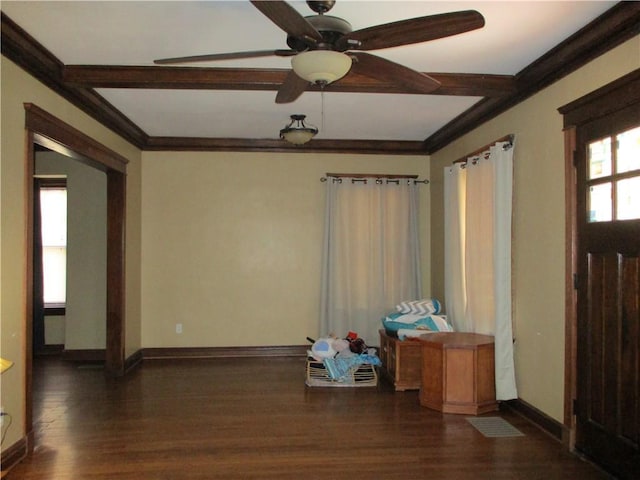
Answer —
602 102
50 132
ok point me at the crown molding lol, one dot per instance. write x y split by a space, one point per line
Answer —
615 26
76 83
22 49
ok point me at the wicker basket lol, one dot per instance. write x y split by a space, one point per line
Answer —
317 376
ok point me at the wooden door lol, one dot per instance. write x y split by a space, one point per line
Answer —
607 161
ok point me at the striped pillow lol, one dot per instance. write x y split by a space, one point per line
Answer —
420 307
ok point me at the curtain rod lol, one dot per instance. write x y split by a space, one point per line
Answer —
507 138
362 177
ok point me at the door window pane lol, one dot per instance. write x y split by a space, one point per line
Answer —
628 151
600 202
600 158
628 199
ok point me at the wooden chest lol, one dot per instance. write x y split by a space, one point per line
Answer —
401 361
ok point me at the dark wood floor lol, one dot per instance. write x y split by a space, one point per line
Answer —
255 419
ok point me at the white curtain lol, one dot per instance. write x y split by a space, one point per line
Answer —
371 258
478 206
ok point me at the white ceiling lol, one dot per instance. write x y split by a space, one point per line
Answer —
135 33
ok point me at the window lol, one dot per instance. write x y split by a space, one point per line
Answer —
613 181
371 257
53 208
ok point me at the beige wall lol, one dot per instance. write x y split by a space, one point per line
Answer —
18 88
232 244
539 219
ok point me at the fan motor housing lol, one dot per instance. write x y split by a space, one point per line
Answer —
331 28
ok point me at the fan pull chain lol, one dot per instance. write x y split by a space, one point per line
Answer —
322 107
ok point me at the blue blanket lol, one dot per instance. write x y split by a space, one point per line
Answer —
340 368
436 323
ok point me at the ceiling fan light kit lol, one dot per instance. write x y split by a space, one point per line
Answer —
321 67
296 132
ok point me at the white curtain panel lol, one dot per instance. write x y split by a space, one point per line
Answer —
455 207
478 208
371 258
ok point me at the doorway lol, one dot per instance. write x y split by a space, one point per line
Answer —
602 390
51 133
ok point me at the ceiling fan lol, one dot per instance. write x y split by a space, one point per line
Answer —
324 48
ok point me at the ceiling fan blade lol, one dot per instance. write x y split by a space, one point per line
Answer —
226 56
388 71
292 88
413 30
288 19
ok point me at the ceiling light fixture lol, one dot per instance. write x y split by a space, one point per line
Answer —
321 66
297 132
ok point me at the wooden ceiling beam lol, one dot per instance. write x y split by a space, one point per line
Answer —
198 78
377 147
